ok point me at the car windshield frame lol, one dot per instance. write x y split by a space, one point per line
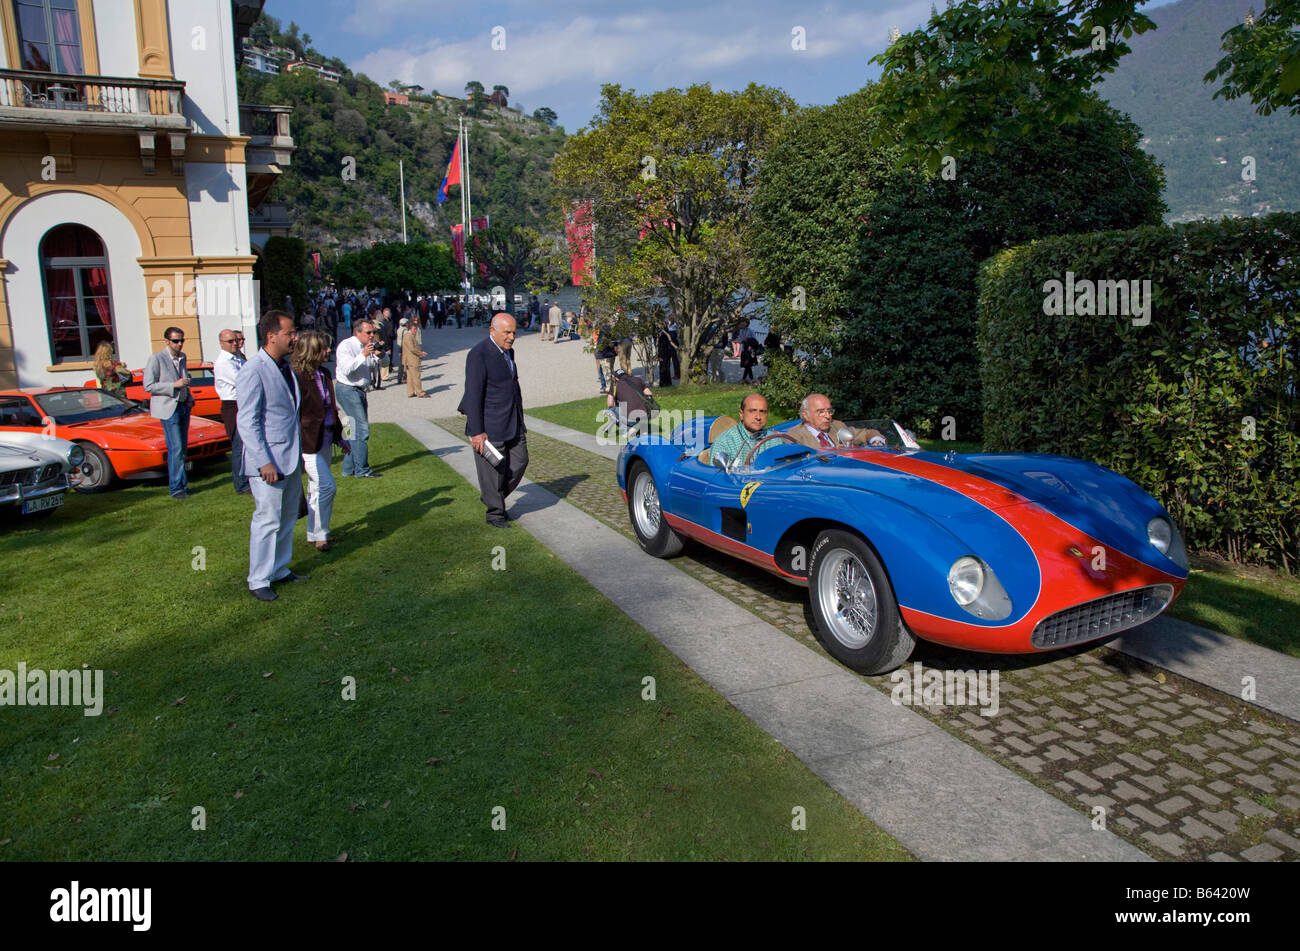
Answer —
111 407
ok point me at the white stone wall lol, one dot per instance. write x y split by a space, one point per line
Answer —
20 244
115 37
203 55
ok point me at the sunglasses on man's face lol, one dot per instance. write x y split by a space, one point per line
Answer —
175 339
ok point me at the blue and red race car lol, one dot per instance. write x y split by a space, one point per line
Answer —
999 552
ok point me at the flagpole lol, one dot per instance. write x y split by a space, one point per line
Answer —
401 179
469 204
464 237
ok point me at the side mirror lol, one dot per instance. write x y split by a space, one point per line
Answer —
722 459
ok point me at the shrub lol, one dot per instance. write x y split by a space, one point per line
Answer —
1197 407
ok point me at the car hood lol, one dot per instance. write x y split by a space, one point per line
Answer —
964 489
139 427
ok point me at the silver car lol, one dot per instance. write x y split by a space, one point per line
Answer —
37 470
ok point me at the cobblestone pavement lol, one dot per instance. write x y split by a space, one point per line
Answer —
1178 769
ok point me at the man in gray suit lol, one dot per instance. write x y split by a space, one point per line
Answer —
167 382
268 424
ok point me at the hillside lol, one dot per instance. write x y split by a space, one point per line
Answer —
510 157
1200 140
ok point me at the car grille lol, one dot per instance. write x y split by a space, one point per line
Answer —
31 476
203 450
1102 617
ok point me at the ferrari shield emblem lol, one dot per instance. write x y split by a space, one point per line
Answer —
746 492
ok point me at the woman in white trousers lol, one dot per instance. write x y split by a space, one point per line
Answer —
321 431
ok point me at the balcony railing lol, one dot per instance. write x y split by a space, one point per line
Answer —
265 124
67 92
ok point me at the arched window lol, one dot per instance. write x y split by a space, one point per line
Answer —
78 306
49 35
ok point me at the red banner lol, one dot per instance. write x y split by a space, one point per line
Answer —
458 244
315 262
580 228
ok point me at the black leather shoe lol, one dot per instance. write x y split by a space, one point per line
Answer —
263 594
499 524
293 577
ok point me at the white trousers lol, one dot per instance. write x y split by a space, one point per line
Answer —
270 539
320 489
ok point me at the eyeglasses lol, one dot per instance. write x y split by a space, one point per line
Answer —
175 339
828 411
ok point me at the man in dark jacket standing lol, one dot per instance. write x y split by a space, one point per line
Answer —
494 417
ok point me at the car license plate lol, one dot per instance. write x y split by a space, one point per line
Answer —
41 504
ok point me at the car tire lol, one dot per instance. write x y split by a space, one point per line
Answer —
101 475
646 514
858 621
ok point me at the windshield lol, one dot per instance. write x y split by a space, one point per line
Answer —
79 406
893 434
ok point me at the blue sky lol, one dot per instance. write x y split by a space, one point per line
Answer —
558 53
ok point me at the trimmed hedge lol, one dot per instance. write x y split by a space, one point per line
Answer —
1198 406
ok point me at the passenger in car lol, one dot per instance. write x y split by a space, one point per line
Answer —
820 430
737 441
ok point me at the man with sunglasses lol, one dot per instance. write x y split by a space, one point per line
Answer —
351 376
225 370
167 381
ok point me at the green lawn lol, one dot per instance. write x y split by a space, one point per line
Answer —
1254 604
475 688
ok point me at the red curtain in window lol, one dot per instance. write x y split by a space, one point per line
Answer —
67 38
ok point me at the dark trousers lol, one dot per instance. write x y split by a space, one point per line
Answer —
229 416
497 482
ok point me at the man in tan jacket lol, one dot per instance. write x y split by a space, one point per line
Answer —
411 356
820 430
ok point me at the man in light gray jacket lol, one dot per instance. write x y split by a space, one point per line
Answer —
268 424
167 382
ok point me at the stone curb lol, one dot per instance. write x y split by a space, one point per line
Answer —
940 798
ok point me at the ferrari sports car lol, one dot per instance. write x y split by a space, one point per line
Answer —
119 439
203 384
997 552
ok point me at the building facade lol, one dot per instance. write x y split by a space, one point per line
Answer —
125 181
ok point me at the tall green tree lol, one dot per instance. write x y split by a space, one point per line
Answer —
419 268
671 176
1263 59
870 263
981 70
512 255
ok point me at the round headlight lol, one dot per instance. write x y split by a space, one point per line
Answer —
1160 534
76 456
966 579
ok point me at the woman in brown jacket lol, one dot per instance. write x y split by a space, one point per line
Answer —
321 431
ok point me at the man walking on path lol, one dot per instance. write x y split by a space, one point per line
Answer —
268 424
352 373
494 417
167 381
225 370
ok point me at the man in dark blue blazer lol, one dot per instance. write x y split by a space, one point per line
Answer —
494 413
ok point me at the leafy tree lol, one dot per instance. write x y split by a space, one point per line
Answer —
545 114
504 90
671 176
284 272
1263 61
420 268
514 256
871 264
980 70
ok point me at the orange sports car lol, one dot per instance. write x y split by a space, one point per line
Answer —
121 440
203 384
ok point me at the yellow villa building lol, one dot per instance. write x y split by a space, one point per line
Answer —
127 173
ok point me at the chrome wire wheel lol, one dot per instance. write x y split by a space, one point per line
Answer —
645 505
848 599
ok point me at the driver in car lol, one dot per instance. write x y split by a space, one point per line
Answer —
820 429
737 441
